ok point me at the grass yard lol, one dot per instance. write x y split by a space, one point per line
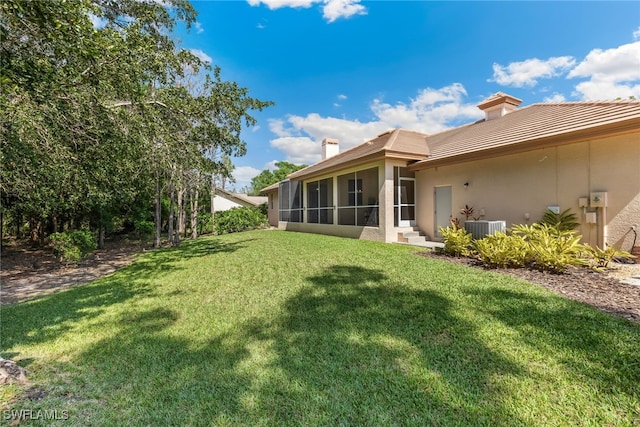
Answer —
276 328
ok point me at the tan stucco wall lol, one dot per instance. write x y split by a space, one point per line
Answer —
509 187
367 233
273 208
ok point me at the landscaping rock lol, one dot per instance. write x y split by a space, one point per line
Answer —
10 372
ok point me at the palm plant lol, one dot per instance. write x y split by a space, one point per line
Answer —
564 221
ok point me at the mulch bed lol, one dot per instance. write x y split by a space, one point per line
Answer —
603 290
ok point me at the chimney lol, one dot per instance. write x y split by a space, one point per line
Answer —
498 105
329 148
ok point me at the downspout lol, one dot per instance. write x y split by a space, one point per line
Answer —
604 228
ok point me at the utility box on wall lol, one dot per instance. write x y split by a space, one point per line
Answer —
480 229
598 199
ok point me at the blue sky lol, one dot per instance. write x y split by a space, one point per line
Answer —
350 69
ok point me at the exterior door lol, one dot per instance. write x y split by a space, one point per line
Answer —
406 202
443 212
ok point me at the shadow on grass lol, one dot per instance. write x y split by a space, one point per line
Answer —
360 349
352 347
575 331
154 378
47 318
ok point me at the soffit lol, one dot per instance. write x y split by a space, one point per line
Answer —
545 123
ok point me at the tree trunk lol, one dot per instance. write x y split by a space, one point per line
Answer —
172 194
157 213
18 226
194 214
213 208
101 229
33 228
181 215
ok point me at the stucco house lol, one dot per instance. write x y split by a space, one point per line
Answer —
510 166
225 200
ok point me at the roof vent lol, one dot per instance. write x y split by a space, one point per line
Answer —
498 104
330 148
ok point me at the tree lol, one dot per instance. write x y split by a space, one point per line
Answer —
96 121
268 177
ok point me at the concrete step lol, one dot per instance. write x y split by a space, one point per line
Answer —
408 234
414 236
412 240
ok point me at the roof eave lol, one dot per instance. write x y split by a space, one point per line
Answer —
380 155
609 130
327 171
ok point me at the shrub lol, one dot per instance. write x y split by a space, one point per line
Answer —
502 250
264 208
564 221
550 248
457 241
599 259
204 223
143 228
72 246
239 219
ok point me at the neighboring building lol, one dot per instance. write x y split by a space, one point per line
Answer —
511 166
225 200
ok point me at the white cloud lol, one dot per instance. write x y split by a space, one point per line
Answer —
271 165
299 150
335 9
602 90
636 34
277 126
244 174
201 55
342 97
527 72
331 10
612 73
433 110
556 97
199 29
618 64
277 4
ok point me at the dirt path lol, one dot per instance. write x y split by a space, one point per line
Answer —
27 273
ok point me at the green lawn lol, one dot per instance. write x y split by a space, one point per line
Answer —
278 328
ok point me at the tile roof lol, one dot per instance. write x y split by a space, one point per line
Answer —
532 127
396 143
526 128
